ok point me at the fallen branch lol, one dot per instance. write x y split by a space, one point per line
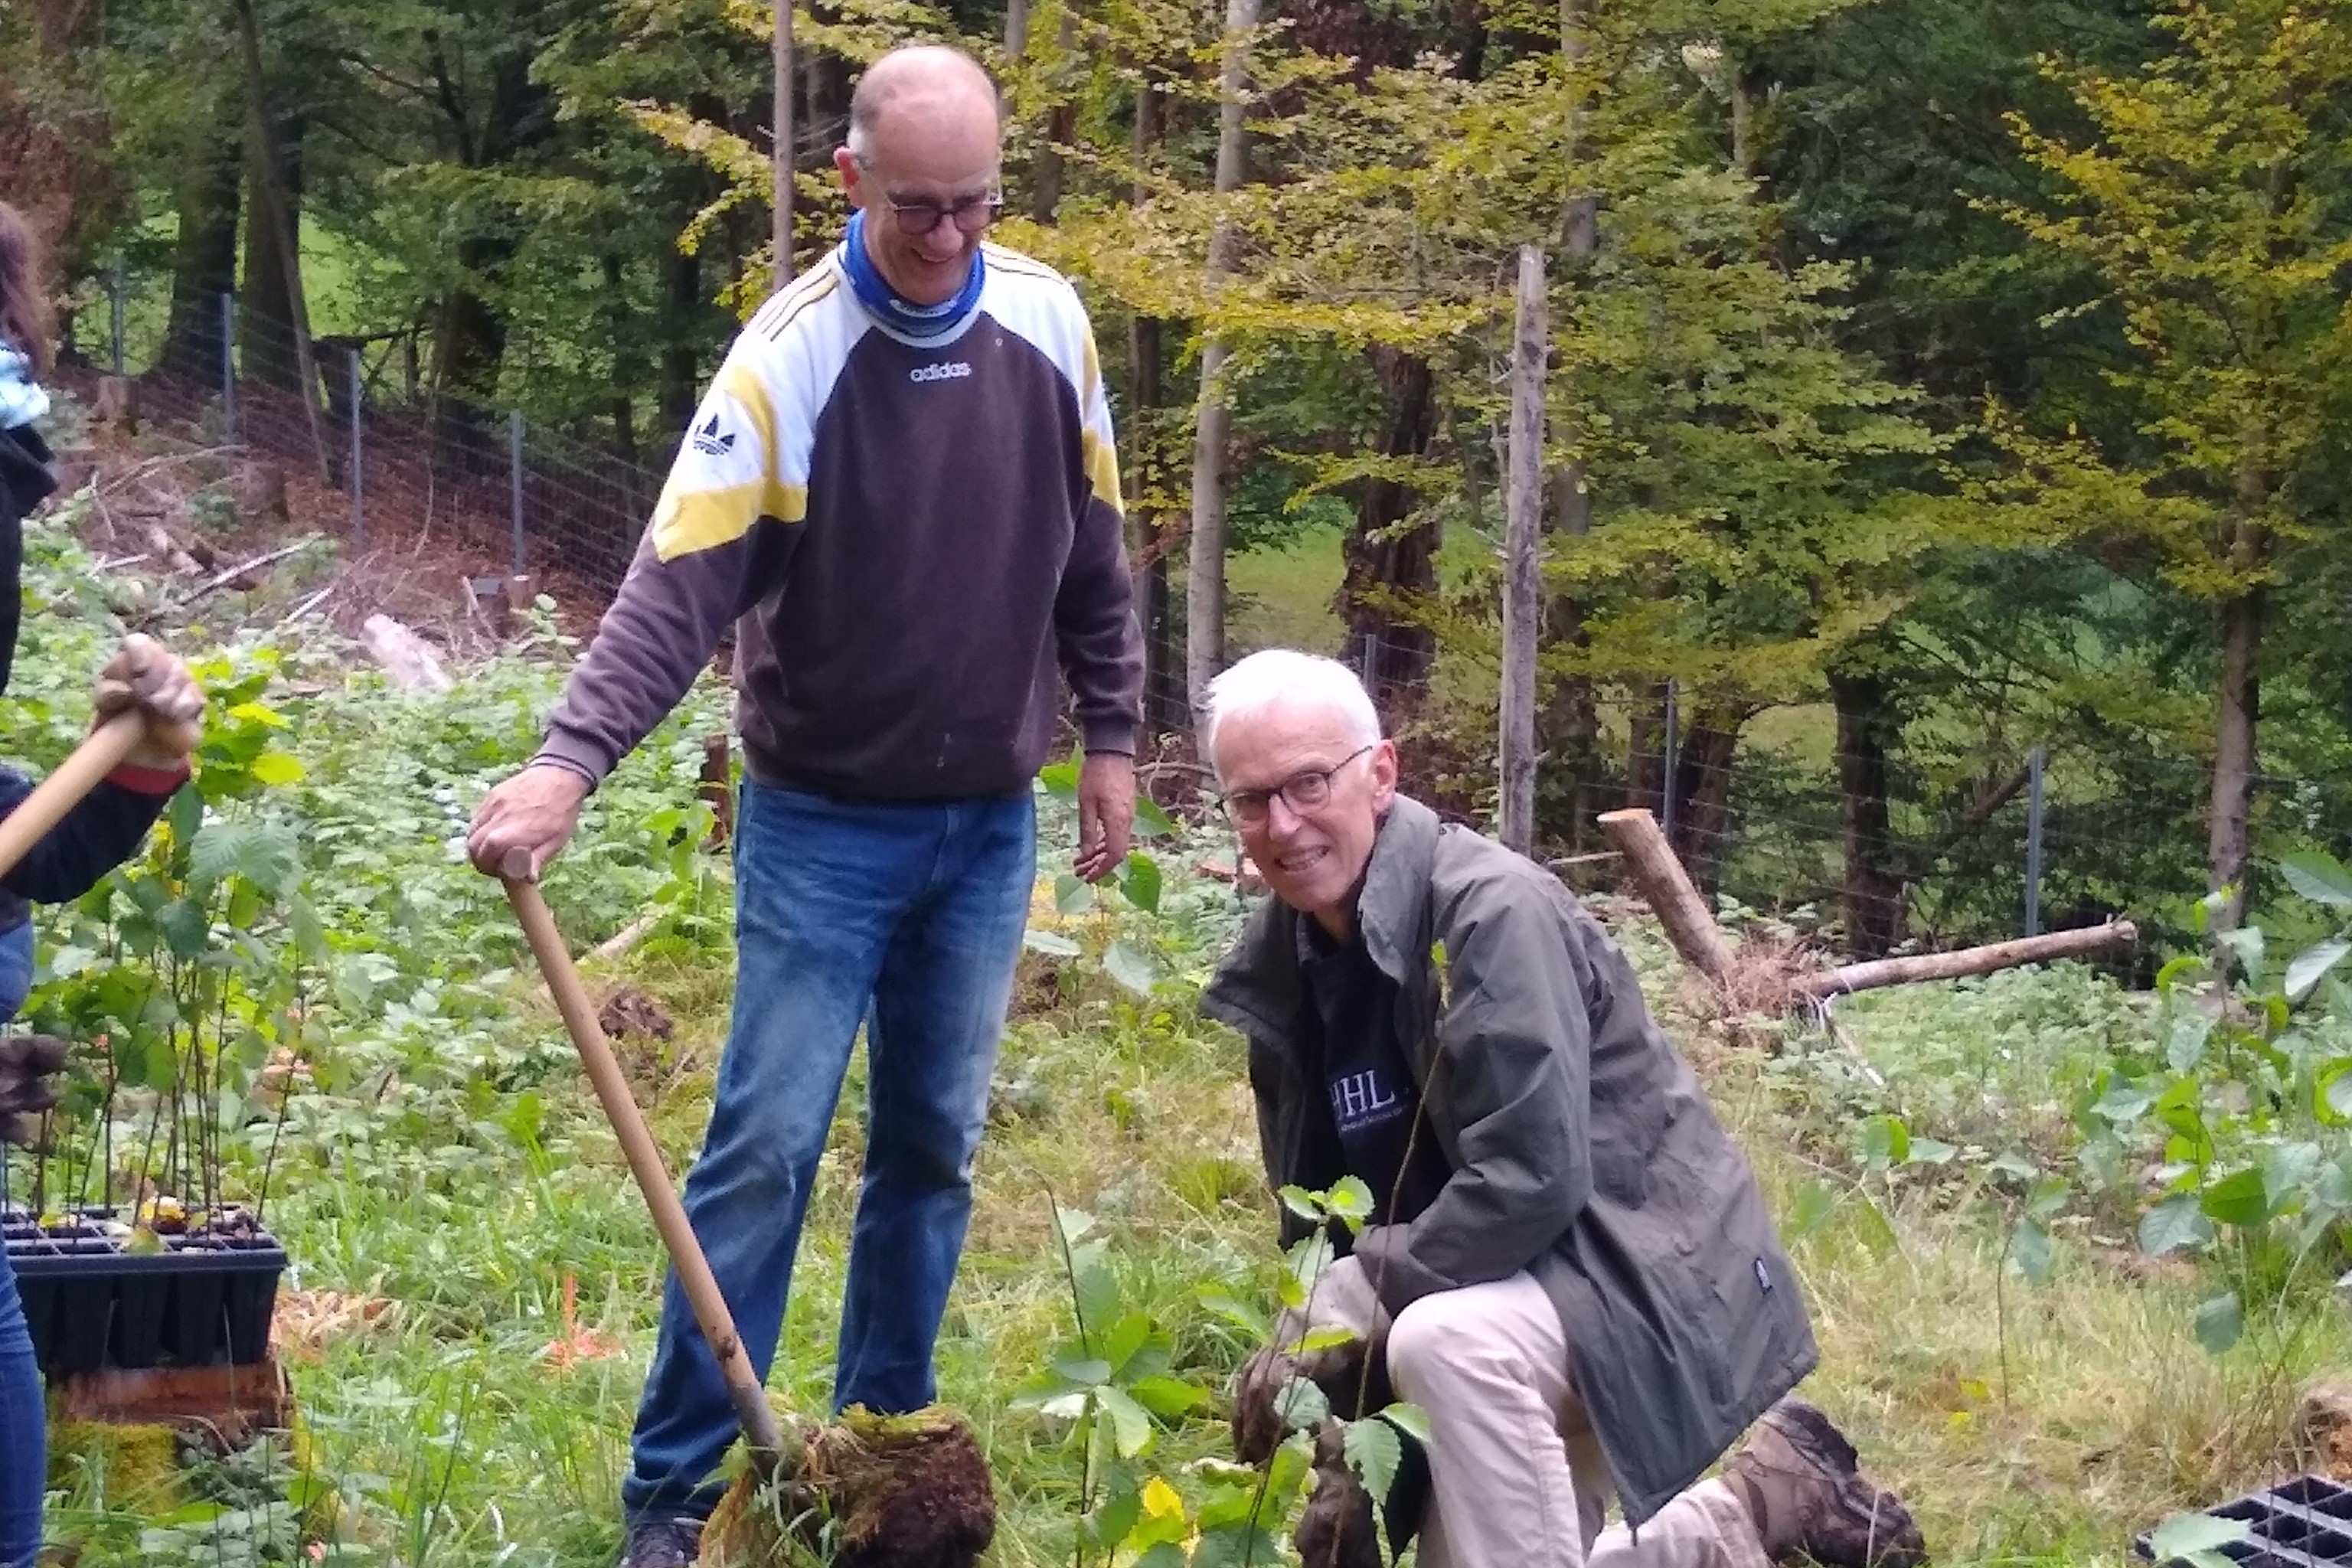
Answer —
1883 972
224 579
306 607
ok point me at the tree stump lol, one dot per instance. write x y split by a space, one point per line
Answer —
261 492
118 402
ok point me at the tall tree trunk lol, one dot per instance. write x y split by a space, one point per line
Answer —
275 212
1866 730
1163 657
1204 597
783 145
265 321
628 359
1646 744
1571 724
2227 844
679 387
1386 571
203 260
1048 172
1703 795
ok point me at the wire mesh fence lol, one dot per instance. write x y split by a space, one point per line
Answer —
1952 844
409 465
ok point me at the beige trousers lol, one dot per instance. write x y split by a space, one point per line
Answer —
1516 1478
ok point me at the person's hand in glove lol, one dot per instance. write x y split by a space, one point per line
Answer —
28 1064
1261 1420
1335 1529
145 675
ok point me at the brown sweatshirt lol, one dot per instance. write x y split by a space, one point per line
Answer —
911 536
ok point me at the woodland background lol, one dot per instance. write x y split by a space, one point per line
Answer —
1931 381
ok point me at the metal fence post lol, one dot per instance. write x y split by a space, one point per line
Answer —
228 363
359 479
1673 759
2033 842
114 297
514 463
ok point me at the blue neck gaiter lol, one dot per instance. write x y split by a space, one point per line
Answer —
882 301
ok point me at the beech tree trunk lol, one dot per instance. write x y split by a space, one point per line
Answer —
1204 597
1874 914
1571 724
782 144
677 387
274 212
1163 656
264 318
203 261
1703 795
1386 571
1047 172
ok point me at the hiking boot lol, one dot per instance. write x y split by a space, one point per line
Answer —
1805 1493
661 1543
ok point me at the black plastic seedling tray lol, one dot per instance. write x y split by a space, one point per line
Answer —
2303 1524
203 1301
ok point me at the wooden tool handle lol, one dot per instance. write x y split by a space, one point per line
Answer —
104 750
644 1160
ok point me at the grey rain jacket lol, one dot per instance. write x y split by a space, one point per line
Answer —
1583 1148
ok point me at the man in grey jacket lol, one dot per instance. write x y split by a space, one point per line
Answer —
1567 1266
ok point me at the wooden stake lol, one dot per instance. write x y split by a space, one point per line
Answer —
1690 926
1963 961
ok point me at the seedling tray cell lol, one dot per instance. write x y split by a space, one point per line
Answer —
2303 1524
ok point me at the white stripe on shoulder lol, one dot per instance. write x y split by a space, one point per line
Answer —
771 318
1012 260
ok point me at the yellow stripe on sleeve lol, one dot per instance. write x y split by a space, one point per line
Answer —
690 521
1102 469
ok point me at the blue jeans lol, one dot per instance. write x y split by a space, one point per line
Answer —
906 918
24 1436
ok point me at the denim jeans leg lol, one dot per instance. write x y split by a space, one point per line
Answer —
24 1438
939 1014
819 888
15 969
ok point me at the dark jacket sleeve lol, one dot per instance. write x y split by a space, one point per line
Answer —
98 833
27 476
1514 1050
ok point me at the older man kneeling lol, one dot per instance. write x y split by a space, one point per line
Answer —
1568 1265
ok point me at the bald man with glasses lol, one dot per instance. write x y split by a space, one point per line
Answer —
900 490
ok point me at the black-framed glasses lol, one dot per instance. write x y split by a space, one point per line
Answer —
1304 790
969 213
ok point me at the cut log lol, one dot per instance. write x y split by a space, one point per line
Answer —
404 655
1965 960
1689 924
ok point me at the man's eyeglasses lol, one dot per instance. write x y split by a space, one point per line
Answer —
1304 790
970 215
